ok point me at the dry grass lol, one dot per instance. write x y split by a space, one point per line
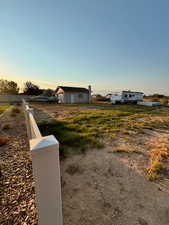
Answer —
158 158
3 108
126 150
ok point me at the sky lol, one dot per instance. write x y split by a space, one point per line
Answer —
110 44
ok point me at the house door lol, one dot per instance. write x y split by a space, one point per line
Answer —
72 98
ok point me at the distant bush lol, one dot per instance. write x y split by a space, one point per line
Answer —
101 98
164 101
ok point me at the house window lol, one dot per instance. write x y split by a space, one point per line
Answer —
80 96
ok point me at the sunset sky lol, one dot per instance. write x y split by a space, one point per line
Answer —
110 44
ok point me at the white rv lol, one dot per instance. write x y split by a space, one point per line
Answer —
127 97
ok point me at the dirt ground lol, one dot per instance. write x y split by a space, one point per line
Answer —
105 191
17 194
103 187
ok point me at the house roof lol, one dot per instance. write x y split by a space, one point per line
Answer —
73 89
136 92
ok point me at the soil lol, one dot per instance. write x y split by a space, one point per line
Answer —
106 191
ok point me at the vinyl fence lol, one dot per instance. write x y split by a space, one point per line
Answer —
46 172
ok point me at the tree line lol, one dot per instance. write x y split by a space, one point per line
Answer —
11 88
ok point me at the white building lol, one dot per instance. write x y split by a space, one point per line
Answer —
127 97
72 95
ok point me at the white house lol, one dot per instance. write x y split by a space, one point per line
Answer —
74 95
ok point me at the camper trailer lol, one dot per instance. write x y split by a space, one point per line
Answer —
127 97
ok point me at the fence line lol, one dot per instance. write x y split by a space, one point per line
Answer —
46 171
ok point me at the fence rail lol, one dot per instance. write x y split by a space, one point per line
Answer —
46 171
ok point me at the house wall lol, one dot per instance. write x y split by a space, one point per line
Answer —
72 97
76 97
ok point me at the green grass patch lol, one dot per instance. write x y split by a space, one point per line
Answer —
87 127
72 138
3 108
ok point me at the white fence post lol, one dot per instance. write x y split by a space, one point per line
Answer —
46 172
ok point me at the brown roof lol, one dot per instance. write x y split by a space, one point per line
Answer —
73 89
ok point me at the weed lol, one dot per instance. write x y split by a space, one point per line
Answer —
156 166
73 169
152 176
153 172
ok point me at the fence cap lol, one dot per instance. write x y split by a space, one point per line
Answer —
43 142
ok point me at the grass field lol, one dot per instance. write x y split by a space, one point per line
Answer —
86 127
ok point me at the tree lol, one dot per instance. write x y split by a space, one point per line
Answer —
31 89
156 95
8 87
101 98
48 92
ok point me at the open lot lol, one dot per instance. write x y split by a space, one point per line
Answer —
116 162
141 132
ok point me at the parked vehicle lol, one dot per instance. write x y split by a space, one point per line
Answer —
127 97
40 98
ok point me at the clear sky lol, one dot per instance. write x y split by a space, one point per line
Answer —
110 44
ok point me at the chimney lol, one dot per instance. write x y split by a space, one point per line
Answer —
90 93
